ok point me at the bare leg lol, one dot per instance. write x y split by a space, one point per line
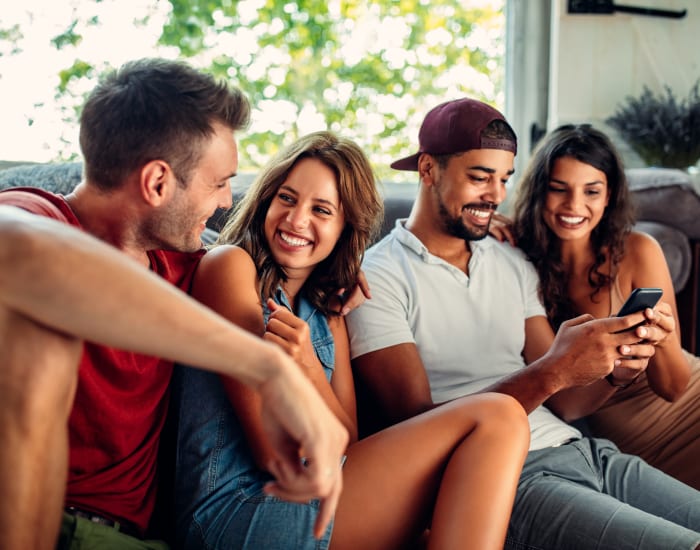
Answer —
454 469
38 374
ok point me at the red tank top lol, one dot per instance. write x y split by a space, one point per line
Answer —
121 400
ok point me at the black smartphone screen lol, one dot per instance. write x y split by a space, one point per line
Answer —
639 300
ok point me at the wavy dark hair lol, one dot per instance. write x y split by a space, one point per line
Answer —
362 206
590 146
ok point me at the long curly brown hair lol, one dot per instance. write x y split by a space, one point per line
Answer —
362 206
590 146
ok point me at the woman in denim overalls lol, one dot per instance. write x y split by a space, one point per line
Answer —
446 478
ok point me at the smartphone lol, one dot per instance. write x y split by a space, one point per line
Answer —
639 300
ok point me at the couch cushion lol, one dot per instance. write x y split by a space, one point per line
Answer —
676 250
666 196
57 178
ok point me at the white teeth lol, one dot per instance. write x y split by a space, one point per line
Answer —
293 241
479 213
572 220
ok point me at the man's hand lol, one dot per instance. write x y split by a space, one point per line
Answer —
300 425
356 296
588 349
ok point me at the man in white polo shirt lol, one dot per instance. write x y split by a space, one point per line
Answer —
453 313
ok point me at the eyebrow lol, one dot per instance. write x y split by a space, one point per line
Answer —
595 182
226 178
322 201
490 170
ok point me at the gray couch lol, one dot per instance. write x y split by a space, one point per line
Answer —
668 208
667 202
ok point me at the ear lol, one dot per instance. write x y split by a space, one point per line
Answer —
157 182
427 167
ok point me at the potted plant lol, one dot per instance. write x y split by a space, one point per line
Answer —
662 130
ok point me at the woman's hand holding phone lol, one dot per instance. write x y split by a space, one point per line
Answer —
660 324
640 300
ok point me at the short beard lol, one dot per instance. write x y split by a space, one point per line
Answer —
454 226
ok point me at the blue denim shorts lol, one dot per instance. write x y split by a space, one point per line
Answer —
249 519
219 498
587 494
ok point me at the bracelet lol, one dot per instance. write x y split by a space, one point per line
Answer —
611 380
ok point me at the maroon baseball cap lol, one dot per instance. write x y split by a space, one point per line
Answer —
454 127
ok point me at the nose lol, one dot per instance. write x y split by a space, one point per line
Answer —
297 217
496 191
225 197
573 199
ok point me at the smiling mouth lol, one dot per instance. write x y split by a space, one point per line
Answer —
571 220
484 214
293 241
481 212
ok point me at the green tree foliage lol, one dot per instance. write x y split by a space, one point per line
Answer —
368 70
8 40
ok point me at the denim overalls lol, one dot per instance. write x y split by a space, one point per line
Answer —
219 499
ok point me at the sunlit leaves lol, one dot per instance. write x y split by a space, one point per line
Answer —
9 38
368 69
78 69
68 37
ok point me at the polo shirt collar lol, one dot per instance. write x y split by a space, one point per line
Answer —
413 243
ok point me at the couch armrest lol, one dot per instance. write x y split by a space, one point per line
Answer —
676 249
667 196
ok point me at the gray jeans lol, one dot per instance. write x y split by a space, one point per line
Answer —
586 494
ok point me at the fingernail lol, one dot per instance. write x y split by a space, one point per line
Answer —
345 311
617 362
642 332
624 350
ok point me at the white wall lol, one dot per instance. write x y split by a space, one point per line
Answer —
598 60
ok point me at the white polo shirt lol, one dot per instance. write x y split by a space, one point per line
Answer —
469 330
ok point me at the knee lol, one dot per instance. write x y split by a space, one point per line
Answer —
504 415
39 371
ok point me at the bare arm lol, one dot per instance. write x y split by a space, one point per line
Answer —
343 383
396 379
570 403
583 352
227 282
292 334
668 370
74 283
658 352
63 278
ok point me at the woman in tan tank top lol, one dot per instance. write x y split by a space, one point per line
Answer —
573 219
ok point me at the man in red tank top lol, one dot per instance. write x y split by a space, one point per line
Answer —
80 417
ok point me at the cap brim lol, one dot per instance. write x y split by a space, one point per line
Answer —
408 163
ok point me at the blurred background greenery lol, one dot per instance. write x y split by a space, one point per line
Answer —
367 70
